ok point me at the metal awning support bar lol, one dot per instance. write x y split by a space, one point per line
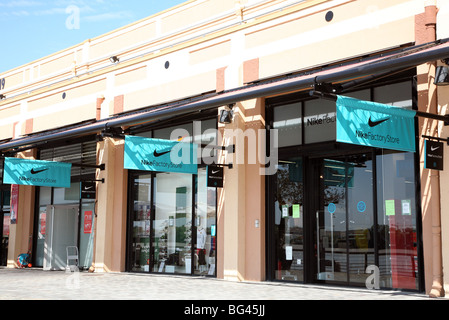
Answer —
333 97
229 165
102 166
97 180
436 138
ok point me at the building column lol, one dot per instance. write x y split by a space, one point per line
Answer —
443 99
21 233
241 203
443 107
231 206
255 190
111 208
430 182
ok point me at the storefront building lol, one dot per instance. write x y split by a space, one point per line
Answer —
335 205
215 146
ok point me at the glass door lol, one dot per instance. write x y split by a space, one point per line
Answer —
288 254
344 219
172 223
139 258
61 233
86 235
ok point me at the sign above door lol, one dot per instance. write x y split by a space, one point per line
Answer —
374 124
37 173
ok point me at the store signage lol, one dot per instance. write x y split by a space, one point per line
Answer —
215 176
88 190
37 173
374 124
433 155
160 155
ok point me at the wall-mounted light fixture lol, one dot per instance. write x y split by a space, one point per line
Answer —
442 74
226 115
114 59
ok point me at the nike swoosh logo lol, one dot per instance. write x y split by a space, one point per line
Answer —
376 123
434 148
159 154
88 188
38 171
214 172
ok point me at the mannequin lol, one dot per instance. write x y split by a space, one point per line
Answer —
200 245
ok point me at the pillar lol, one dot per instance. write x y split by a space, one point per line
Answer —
21 233
430 183
231 208
111 209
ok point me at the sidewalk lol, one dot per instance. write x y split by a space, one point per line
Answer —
36 284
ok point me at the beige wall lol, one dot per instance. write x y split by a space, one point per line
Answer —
7 127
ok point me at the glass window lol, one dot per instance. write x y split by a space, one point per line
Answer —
44 195
86 235
70 197
41 234
319 121
67 195
175 235
172 224
140 222
175 133
288 122
206 227
5 195
360 215
396 203
288 221
205 133
397 94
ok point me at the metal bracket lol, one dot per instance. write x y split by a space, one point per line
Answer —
229 165
437 139
100 180
333 97
112 132
102 166
230 148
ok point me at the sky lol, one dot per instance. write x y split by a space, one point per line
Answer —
32 29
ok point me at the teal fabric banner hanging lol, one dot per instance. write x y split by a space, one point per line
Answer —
374 124
37 173
160 155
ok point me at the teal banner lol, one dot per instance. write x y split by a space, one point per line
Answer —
37 173
374 124
160 155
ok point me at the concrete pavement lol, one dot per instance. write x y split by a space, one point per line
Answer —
36 284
